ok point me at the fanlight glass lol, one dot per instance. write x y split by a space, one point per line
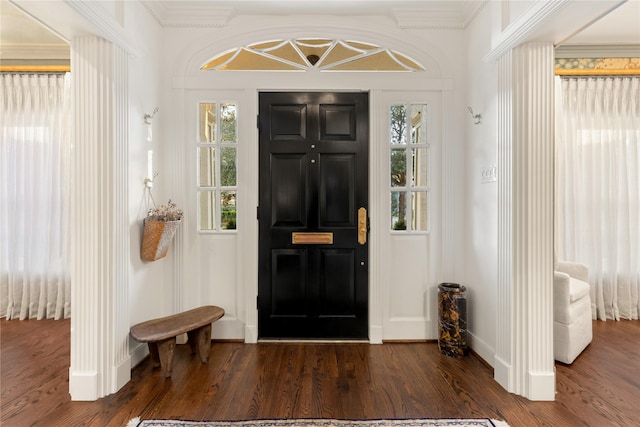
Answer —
305 54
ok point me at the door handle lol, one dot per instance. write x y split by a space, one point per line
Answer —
362 226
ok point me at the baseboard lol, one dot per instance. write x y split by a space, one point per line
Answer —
250 334
483 350
83 386
542 386
122 374
375 334
138 354
409 329
502 373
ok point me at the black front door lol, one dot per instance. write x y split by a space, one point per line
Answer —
313 272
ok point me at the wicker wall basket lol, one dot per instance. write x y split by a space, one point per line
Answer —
156 238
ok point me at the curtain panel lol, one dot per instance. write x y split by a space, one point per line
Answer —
35 168
597 187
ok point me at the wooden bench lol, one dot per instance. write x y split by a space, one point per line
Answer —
160 334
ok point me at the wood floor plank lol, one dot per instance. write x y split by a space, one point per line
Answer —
312 380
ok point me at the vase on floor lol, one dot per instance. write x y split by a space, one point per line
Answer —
452 319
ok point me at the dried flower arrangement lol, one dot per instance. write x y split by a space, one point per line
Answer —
160 225
168 212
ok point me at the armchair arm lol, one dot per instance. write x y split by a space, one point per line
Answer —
574 269
561 294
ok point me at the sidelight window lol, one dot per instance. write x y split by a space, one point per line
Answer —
216 171
409 167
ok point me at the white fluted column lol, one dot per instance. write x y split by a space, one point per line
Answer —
100 361
524 347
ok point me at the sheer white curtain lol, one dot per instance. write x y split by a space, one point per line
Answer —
34 194
598 187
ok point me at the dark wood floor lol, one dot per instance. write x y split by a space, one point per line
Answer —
351 381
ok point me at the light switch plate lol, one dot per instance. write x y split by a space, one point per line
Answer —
489 174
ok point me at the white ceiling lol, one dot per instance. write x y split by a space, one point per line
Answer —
620 26
19 33
18 28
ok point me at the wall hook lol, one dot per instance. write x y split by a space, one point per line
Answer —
148 182
149 117
477 118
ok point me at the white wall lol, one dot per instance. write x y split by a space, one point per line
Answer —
150 286
478 263
221 269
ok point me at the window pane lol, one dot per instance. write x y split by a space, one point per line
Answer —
419 167
398 168
228 199
207 122
419 124
228 122
207 210
398 210
419 210
228 166
398 124
207 161
217 166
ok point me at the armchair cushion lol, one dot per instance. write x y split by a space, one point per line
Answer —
578 289
567 289
566 314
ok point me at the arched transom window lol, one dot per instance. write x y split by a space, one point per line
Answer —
306 54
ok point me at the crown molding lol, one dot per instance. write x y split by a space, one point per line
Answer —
439 15
106 26
189 14
519 30
554 21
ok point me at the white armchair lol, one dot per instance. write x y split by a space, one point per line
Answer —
571 311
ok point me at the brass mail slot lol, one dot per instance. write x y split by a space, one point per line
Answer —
302 238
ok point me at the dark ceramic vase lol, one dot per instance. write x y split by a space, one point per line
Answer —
452 324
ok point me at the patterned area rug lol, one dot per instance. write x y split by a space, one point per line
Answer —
429 422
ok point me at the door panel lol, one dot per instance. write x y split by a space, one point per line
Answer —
288 123
289 185
337 190
313 179
337 286
289 279
337 123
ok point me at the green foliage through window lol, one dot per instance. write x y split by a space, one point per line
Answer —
408 164
217 166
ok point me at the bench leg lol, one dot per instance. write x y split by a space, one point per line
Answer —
153 352
166 349
200 341
192 340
